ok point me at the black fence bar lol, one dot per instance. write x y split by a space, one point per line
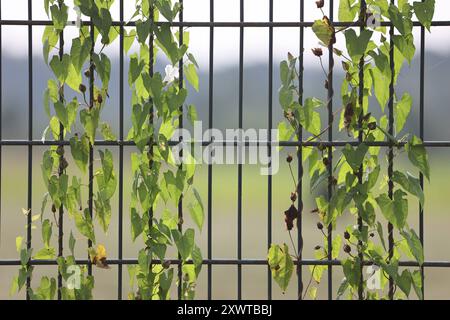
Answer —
217 24
330 94
230 262
240 151
91 148
300 158
60 173
180 203
422 137
269 126
30 136
204 143
210 124
121 136
1 119
391 149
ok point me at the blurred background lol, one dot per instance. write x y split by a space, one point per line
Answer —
14 126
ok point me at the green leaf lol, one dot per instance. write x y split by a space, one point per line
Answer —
46 253
129 40
396 210
59 16
84 224
402 109
310 119
347 11
357 45
196 210
165 41
184 243
103 68
103 22
89 119
50 39
60 68
404 282
19 241
405 45
46 232
72 243
136 224
414 244
107 133
355 157
410 184
402 22
136 68
352 271
192 76
418 155
324 31
79 53
281 265
424 12
381 81
416 278
80 151
192 114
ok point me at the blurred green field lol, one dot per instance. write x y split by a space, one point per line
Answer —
224 227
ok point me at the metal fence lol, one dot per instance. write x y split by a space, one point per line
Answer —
210 260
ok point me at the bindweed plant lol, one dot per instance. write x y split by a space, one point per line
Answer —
160 184
74 100
356 186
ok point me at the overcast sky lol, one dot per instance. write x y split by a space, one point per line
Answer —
226 47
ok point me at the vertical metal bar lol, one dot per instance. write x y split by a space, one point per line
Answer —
152 109
391 149
330 153
91 147
121 103
30 132
362 17
422 136
60 168
269 146
1 119
210 124
299 160
241 85
180 203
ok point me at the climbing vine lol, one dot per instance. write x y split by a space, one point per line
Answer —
353 179
73 101
160 183
74 115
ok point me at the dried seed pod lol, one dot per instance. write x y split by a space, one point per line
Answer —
317 247
347 248
372 126
82 88
290 215
289 158
318 52
319 225
87 73
346 235
99 98
320 3
348 115
293 196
